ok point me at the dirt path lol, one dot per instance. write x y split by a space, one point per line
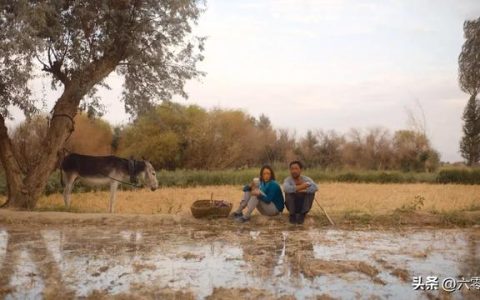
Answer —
315 219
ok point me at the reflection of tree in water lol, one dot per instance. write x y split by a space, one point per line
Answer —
49 250
53 263
31 243
470 265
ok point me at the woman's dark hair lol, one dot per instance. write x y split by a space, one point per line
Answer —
268 168
296 162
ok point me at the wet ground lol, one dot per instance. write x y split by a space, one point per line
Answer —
222 262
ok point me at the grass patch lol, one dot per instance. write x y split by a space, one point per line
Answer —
412 206
455 218
472 207
459 176
58 208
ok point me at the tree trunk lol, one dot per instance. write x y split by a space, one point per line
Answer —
13 172
25 189
60 128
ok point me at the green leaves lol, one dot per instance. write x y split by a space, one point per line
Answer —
149 42
470 142
469 59
469 78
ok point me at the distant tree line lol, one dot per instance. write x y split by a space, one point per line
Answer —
175 136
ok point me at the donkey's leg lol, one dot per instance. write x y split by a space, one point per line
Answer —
113 192
69 180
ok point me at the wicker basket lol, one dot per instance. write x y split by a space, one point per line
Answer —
211 209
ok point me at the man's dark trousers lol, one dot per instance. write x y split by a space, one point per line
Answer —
298 204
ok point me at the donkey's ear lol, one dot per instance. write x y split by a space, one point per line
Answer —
143 158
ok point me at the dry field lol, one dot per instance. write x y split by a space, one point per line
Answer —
334 197
359 203
347 203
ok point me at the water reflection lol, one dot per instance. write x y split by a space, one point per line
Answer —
80 261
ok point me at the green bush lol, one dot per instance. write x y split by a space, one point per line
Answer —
459 176
383 177
389 178
349 177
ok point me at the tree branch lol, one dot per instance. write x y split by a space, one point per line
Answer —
55 67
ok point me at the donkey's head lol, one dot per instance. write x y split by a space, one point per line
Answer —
150 176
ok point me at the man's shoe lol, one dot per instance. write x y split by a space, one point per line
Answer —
292 219
300 218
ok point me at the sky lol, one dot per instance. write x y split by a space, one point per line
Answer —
331 64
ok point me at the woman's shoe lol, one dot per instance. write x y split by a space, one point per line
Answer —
236 215
242 219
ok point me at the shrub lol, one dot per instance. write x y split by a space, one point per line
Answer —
459 176
348 177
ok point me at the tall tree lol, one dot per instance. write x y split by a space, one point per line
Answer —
78 44
470 143
469 78
308 149
158 135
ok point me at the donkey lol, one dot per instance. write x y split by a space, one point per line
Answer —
103 170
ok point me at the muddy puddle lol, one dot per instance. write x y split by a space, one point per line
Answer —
202 262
